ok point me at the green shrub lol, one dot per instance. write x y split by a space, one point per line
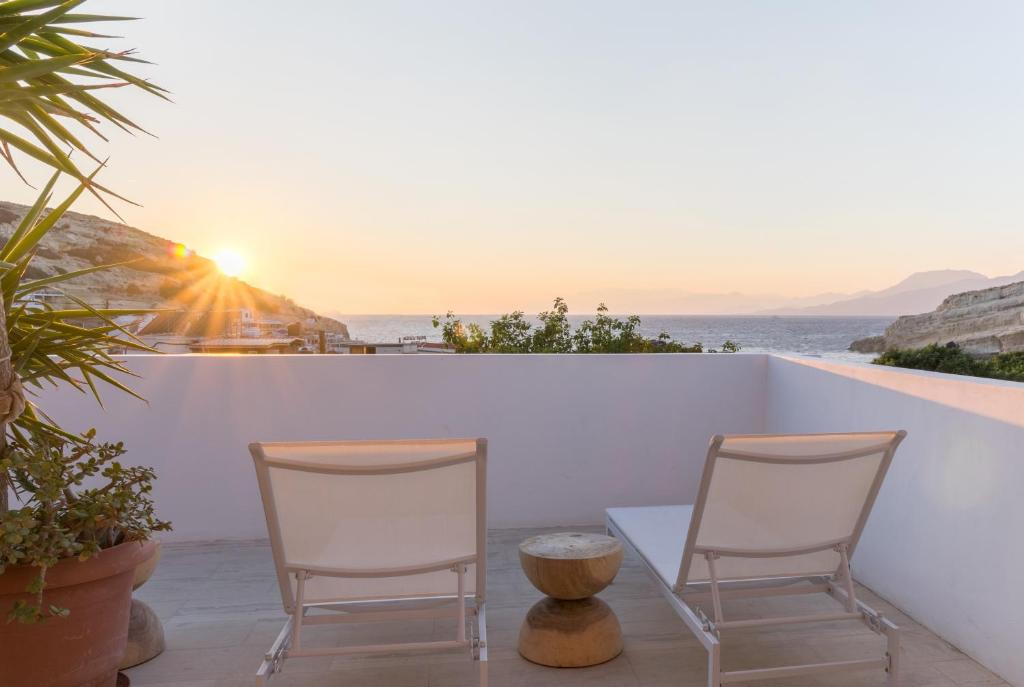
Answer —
79 499
48 253
1007 366
952 359
91 253
514 333
169 288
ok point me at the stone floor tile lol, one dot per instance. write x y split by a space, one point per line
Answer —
221 610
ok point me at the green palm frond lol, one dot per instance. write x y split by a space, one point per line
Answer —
76 346
51 82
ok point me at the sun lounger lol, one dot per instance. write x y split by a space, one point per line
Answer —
775 515
374 531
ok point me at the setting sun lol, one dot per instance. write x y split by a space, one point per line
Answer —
230 263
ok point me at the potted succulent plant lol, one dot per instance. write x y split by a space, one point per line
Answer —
74 521
69 559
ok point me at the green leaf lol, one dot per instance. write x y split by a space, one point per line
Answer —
28 221
15 6
32 237
36 152
30 92
36 68
11 37
87 18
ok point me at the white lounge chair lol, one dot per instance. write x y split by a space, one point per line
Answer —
775 515
376 530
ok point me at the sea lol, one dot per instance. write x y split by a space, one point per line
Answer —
827 337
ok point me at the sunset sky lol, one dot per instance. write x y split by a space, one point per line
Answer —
412 157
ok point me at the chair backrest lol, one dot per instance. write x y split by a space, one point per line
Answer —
780 505
375 519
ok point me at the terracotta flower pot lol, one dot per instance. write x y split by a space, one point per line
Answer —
83 649
147 567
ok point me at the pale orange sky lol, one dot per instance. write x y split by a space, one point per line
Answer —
413 157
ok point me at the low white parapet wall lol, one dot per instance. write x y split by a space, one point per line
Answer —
572 435
945 541
568 435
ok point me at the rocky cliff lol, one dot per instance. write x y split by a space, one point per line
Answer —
159 274
982 322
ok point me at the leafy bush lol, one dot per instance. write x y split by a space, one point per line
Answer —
514 333
61 519
1007 366
103 253
169 288
92 253
954 360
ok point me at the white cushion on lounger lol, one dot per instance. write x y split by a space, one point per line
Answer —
658 533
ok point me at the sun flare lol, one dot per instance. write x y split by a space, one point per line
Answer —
230 263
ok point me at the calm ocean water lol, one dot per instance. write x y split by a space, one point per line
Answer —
825 336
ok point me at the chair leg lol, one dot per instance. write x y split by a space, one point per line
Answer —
714 666
274 657
481 633
892 650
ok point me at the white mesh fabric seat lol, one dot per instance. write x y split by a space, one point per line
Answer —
775 514
400 524
373 517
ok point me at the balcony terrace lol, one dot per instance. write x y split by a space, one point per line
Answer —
568 437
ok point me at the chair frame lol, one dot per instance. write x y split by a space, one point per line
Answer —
688 600
469 611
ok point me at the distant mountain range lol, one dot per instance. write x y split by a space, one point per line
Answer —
681 302
918 293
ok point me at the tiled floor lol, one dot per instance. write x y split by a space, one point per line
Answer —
221 611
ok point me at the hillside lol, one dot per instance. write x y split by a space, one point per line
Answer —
919 293
159 276
982 322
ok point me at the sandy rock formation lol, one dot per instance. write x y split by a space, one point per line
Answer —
982 322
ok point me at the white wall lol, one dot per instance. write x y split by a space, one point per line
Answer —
571 435
945 541
568 435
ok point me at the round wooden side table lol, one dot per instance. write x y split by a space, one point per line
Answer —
570 628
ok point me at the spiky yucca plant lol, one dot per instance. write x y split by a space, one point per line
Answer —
51 86
50 83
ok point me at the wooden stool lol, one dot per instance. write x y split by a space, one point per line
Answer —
570 628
